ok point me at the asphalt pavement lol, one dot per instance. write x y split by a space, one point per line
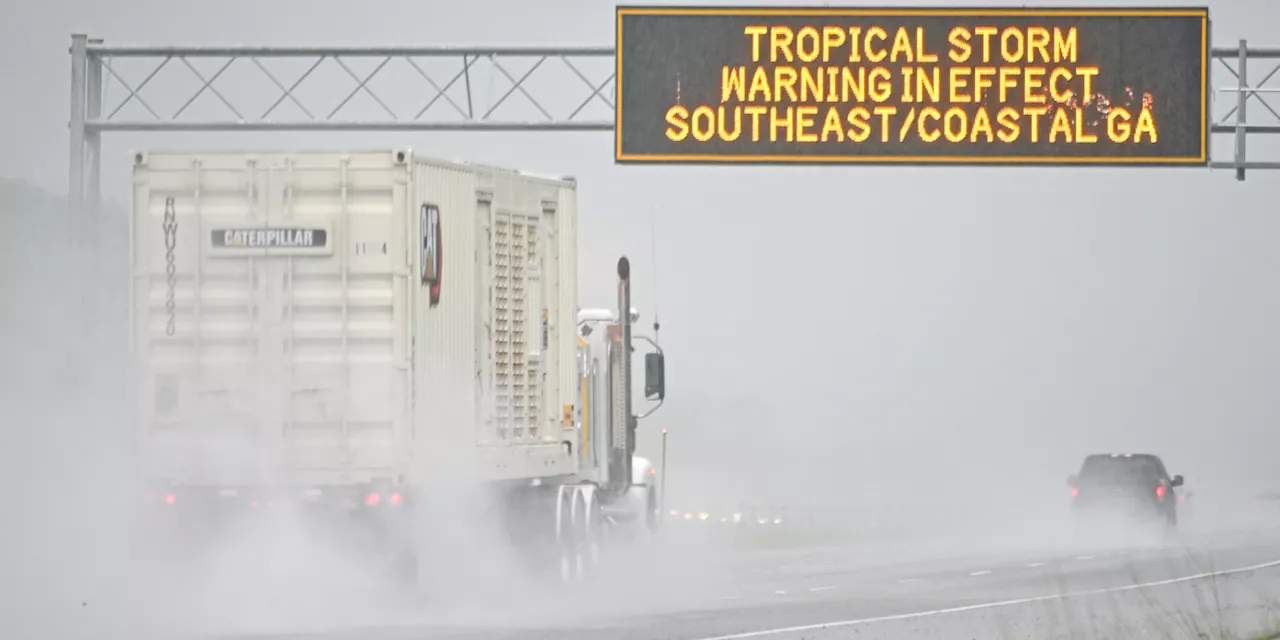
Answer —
1225 585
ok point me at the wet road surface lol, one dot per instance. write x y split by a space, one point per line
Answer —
1225 585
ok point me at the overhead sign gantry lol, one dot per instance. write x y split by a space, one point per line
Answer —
691 60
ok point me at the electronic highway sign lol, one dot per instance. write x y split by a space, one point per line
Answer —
945 86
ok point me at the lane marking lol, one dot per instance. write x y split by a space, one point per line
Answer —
1035 564
994 605
980 573
779 593
908 580
731 598
1084 558
821 588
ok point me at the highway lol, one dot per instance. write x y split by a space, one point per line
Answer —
1220 585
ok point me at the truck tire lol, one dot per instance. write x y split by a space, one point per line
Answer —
567 533
587 521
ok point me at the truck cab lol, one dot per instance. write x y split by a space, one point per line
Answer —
599 416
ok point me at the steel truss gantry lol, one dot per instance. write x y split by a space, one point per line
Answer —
93 67
440 108
1233 122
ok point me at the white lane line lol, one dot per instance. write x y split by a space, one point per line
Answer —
908 580
731 598
1084 558
1035 564
980 573
779 593
821 588
994 605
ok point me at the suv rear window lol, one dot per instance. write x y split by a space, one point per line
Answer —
1121 469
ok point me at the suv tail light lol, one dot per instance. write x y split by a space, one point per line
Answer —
1160 491
375 499
1075 492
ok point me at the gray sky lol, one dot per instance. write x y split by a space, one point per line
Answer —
826 327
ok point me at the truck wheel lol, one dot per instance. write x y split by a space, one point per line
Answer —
566 529
587 517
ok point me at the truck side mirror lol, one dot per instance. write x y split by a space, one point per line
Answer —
1177 481
655 385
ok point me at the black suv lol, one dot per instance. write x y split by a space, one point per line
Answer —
1129 484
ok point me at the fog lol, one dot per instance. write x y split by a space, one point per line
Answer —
931 350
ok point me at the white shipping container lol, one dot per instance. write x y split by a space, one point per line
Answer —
349 317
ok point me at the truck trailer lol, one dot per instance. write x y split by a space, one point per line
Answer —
350 333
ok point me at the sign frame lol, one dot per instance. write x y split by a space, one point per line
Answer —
756 159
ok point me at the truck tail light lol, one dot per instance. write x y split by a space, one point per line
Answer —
394 499
372 499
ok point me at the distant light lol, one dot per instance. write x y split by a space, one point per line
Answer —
762 521
395 499
372 500
170 499
1074 492
653 472
674 513
737 517
777 520
704 515
688 516
254 504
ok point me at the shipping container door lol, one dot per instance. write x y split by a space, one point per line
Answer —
196 311
342 316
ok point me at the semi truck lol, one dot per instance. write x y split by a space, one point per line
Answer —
353 334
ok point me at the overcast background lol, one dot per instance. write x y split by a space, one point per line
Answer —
835 334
